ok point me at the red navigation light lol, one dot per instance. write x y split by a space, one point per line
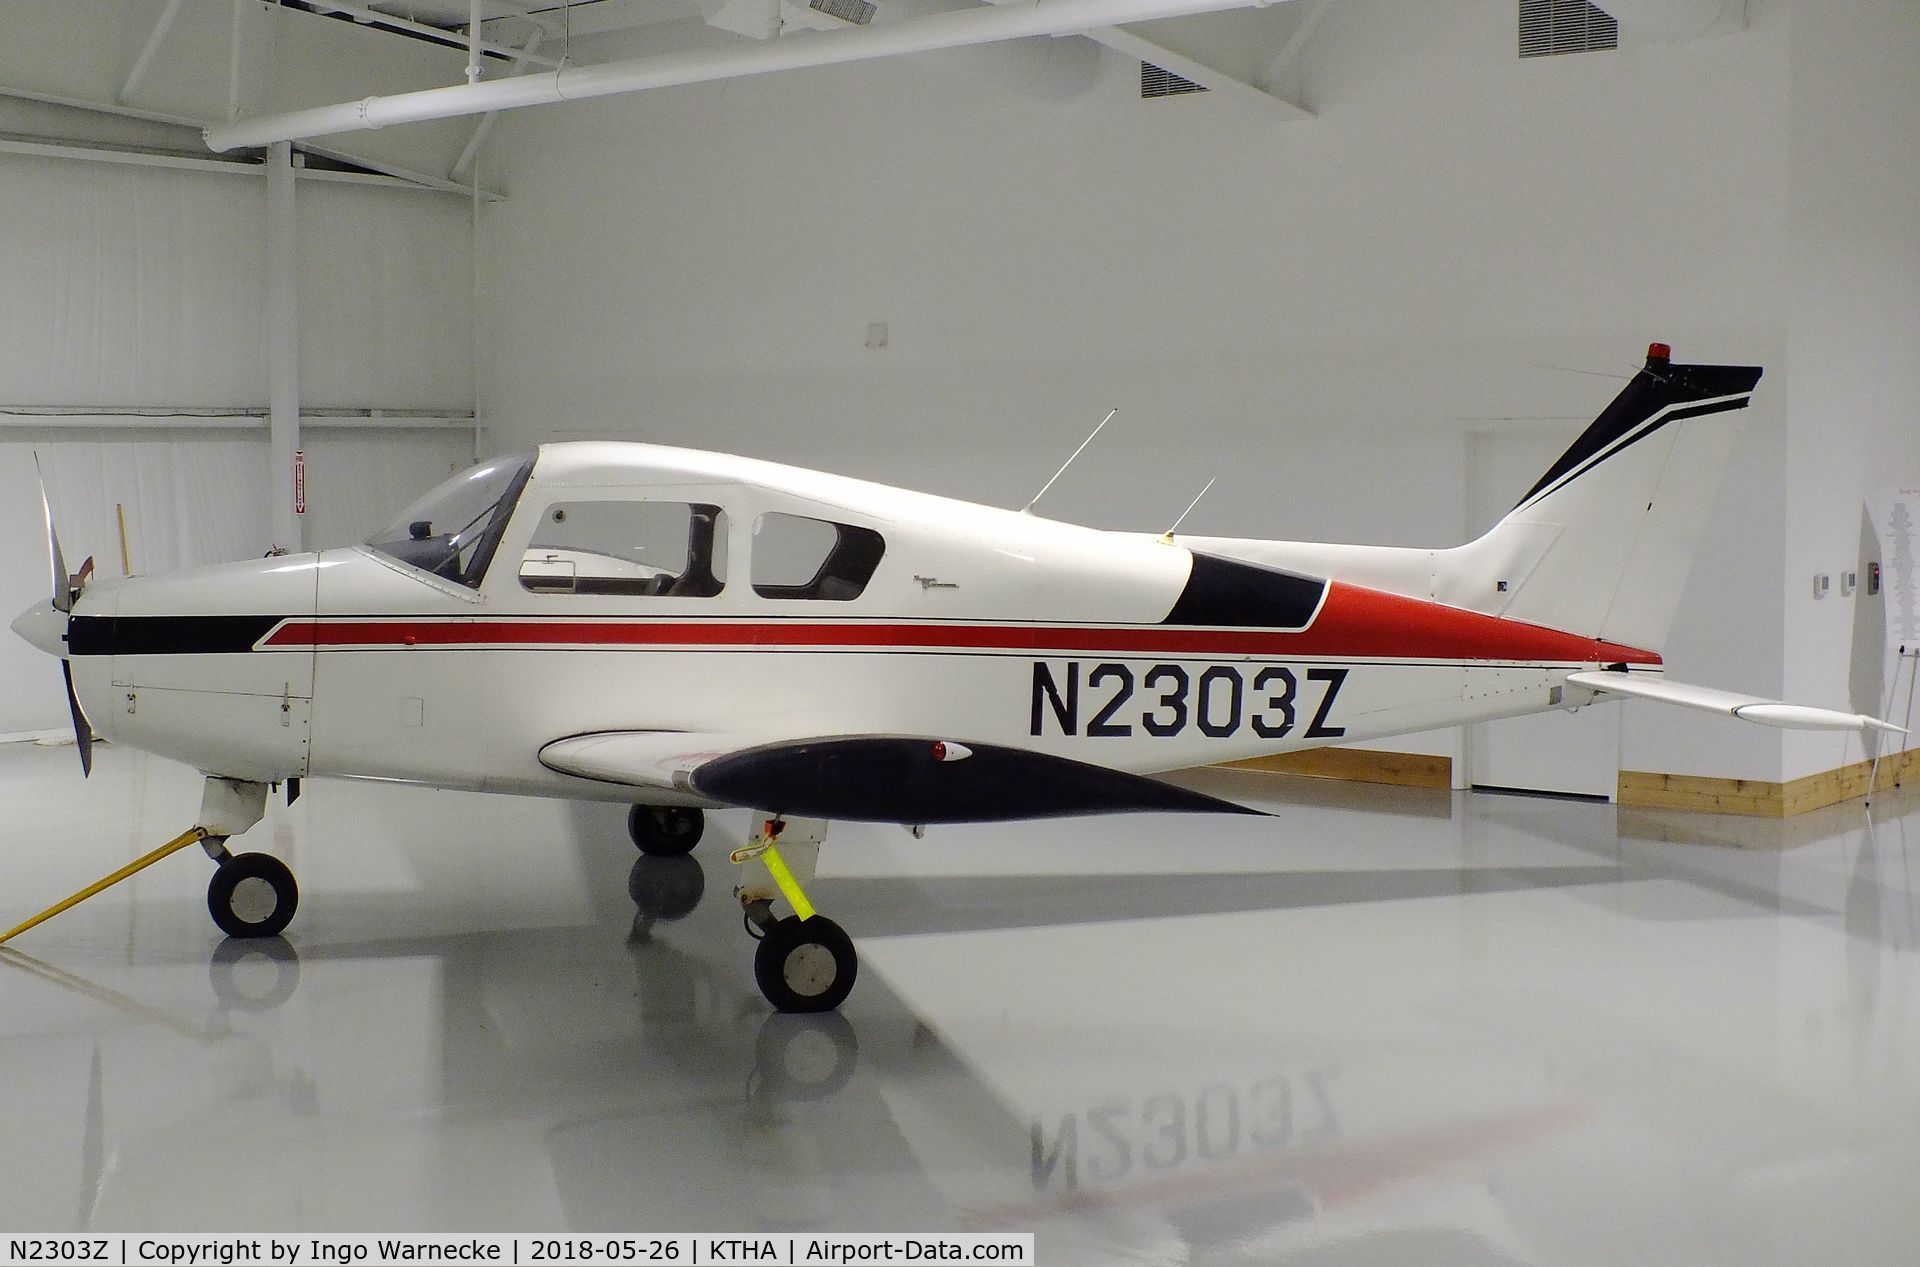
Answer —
939 750
1659 352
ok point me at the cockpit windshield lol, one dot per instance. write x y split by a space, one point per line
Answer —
453 531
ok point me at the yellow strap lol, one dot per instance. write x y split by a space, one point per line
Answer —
193 837
781 876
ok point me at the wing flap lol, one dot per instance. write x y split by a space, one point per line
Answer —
661 759
1752 708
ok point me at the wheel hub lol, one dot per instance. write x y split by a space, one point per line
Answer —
254 900
810 969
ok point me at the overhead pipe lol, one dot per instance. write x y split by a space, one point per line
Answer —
985 24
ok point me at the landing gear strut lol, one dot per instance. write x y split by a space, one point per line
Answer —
805 962
664 830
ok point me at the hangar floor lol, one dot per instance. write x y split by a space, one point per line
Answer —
1384 1027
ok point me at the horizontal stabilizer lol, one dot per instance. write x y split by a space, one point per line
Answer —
1746 707
872 778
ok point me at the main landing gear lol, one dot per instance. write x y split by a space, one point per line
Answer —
665 830
805 962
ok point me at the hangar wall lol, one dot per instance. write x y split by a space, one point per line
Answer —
130 288
1854 402
1317 313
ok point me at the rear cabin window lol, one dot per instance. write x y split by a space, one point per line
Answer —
675 549
798 557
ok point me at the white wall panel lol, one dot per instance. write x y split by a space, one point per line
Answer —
1855 276
385 288
129 285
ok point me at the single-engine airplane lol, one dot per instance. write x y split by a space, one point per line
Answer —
682 630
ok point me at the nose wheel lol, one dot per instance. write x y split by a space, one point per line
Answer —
252 895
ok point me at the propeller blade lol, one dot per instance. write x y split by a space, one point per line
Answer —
62 584
82 728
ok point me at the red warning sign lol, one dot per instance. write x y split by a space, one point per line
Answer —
299 481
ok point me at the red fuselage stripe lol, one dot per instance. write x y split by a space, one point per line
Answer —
1353 623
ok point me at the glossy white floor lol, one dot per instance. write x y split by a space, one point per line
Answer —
1381 1027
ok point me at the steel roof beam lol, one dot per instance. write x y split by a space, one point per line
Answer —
984 25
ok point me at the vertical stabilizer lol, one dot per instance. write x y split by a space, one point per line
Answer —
1602 544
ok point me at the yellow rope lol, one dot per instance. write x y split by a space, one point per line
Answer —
193 837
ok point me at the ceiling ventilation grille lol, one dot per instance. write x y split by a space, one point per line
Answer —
1551 27
1156 82
858 12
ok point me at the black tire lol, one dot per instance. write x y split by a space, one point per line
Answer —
254 974
805 965
664 831
243 908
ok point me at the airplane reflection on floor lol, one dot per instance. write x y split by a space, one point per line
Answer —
1512 1032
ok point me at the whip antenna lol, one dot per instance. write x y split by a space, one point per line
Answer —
1028 508
1168 534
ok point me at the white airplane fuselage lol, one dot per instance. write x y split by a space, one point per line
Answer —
980 624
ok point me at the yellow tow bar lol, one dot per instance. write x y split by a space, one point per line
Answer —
192 837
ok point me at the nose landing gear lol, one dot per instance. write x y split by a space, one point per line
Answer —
805 962
252 894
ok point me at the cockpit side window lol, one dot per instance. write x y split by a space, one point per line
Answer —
454 530
795 556
677 549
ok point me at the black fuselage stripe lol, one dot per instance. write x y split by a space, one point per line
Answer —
167 635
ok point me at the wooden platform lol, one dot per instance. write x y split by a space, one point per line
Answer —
1636 788
1647 790
1358 765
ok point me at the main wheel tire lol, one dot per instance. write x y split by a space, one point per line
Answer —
665 830
805 965
252 895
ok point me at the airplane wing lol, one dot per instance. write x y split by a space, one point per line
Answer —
875 778
1746 707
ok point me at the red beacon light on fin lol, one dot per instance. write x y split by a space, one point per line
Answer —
1659 352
